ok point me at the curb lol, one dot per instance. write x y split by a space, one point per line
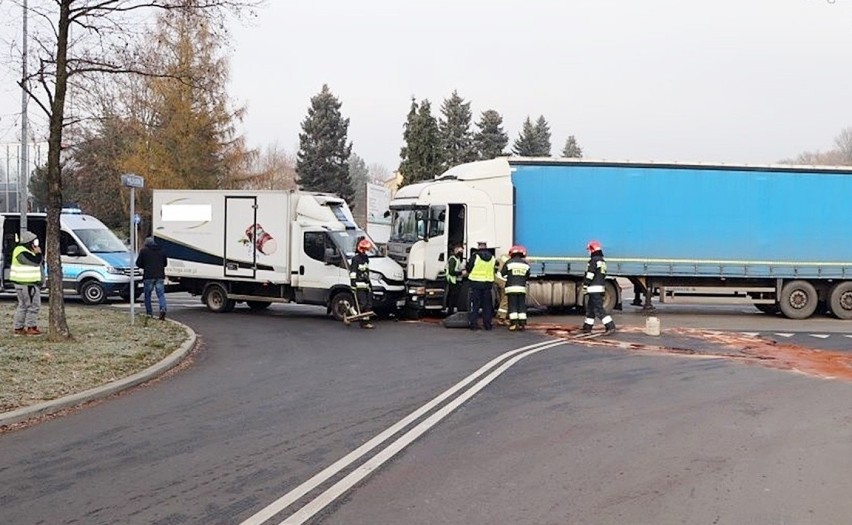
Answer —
100 392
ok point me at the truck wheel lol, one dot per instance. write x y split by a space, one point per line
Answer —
257 306
840 300
610 297
340 304
92 292
798 300
215 297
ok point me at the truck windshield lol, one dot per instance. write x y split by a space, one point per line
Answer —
408 224
100 240
347 241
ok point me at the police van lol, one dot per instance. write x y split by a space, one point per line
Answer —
95 263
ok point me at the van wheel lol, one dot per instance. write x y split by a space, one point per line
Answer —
340 304
257 306
840 300
215 298
92 292
798 300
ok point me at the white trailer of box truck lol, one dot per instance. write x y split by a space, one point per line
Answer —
260 247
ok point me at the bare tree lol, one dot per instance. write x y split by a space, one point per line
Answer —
106 33
270 169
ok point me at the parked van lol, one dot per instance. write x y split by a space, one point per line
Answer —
95 263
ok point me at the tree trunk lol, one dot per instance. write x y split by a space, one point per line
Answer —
57 323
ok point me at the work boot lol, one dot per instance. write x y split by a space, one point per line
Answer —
20 331
513 327
610 329
587 329
162 315
33 330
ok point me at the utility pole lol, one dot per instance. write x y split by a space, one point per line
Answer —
23 178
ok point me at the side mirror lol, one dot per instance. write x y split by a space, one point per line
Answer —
72 250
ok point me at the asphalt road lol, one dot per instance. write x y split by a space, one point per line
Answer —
552 435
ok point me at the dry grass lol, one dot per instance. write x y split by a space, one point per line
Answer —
105 348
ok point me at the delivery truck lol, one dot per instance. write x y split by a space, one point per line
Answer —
775 236
264 247
96 265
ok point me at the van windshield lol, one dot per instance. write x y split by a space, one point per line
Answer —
100 240
347 241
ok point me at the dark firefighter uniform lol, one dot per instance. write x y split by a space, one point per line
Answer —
593 285
359 279
516 272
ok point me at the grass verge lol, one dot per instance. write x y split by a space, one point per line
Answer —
105 348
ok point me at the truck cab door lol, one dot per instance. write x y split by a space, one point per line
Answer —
436 249
318 265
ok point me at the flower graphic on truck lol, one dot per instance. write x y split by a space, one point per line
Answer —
263 242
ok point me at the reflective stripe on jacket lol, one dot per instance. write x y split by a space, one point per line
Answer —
453 265
22 271
595 275
516 272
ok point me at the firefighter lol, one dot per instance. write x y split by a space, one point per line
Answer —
593 287
359 279
500 285
480 276
515 272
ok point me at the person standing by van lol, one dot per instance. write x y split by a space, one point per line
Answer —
153 262
25 272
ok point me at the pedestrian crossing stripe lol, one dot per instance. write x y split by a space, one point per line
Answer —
750 334
821 336
784 335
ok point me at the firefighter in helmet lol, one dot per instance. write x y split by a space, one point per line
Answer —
593 286
359 278
516 271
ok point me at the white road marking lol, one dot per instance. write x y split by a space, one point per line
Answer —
750 334
339 488
849 336
294 495
784 335
821 336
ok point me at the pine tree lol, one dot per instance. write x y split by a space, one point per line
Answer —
526 145
456 136
572 150
491 140
421 155
542 134
322 161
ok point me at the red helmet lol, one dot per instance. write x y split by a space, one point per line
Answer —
594 246
518 250
364 245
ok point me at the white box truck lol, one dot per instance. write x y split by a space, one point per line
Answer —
260 247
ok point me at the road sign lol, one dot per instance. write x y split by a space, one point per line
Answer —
132 181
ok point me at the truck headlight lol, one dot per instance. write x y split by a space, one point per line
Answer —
417 290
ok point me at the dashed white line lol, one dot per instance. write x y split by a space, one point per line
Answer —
821 336
784 334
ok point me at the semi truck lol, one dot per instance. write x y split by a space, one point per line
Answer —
773 235
264 247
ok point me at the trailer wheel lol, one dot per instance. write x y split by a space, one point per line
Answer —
215 297
92 292
610 297
340 304
799 300
840 300
257 306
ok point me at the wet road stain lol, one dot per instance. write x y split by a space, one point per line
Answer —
734 346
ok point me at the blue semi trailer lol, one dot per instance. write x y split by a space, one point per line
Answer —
773 236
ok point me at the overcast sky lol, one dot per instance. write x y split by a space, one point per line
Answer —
745 81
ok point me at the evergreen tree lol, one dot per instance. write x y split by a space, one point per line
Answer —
526 145
572 149
542 134
421 154
322 161
456 136
491 140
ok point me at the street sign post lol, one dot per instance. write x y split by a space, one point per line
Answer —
133 181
